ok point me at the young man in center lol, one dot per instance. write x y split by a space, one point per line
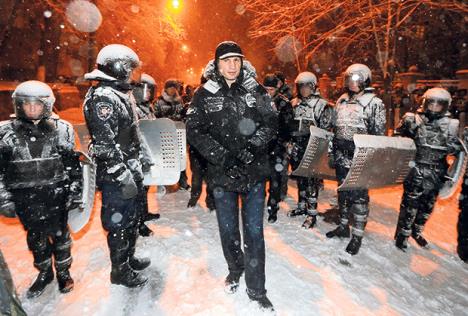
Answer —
231 123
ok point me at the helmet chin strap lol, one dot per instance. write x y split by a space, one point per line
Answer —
431 115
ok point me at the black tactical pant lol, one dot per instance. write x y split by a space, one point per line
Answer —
308 188
120 218
278 177
42 211
355 202
421 189
198 166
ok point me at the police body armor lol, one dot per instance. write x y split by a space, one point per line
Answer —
307 113
351 118
432 140
30 168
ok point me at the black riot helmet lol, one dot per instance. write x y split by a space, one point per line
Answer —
144 90
117 61
306 78
30 92
435 102
357 75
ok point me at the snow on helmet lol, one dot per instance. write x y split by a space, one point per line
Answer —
434 97
117 61
306 78
145 89
358 74
145 78
33 91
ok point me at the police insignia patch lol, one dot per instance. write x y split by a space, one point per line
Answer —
104 110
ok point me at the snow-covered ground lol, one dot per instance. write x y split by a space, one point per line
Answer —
307 274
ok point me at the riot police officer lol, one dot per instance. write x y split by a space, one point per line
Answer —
144 92
357 111
310 109
278 155
40 180
110 114
435 135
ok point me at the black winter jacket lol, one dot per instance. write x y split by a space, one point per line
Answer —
223 120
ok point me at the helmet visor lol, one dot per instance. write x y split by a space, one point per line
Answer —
32 108
354 81
436 105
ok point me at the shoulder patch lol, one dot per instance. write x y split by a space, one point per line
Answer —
104 110
211 86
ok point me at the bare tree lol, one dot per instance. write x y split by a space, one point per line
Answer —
352 28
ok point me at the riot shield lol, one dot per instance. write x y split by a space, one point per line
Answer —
182 142
79 217
162 140
315 162
379 161
83 137
454 174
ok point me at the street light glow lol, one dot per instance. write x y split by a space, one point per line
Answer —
175 4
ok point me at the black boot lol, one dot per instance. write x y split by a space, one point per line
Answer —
300 210
144 230
151 217
354 245
231 283
272 213
124 275
135 263
310 222
44 278
192 201
263 302
420 240
416 233
401 241
65 281
342 231
211 204
183 184
121 272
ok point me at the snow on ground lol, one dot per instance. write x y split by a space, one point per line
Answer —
307 274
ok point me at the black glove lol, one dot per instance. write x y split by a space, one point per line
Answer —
75 195
236 172
7 209
293 151
128 187
245 156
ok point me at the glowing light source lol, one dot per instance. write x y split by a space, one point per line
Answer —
175 4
